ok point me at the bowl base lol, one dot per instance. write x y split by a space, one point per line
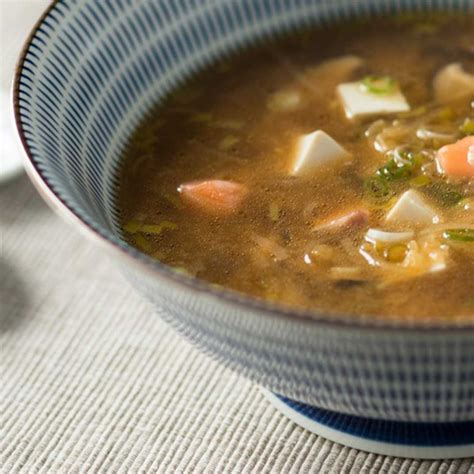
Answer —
391 438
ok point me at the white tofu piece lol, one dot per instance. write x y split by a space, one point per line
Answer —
412 209
317 152
359 103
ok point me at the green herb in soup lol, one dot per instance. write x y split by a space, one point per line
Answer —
331 170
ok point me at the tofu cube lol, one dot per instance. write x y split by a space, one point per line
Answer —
411 208
318 152
359 103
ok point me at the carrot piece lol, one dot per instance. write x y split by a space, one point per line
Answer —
215 197
457 159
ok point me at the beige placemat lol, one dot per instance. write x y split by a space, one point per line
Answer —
93 381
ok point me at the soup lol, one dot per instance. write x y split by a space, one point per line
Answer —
331 170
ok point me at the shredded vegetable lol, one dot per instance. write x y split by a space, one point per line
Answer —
201 118
420 181
142 243
274 212
158 228
134 227
284 100
228 124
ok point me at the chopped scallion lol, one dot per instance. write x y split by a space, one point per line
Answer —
460 235
377 188
447 194
467 128
400 168
381 85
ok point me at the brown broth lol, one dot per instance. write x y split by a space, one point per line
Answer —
219 126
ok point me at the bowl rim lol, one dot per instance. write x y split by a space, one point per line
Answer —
130 255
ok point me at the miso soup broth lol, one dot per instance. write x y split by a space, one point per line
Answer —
331 169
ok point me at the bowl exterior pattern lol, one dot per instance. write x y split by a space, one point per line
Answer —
91 72
376 373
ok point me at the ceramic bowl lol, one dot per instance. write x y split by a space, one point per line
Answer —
89 73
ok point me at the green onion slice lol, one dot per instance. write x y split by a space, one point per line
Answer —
446 194
467 128
460 235
377 188
401 167
382 85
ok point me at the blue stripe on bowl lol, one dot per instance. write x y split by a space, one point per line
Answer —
393 432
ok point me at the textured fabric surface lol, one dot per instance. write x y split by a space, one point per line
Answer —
93 381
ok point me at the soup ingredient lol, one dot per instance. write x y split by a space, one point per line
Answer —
457 160
382 97
334 70
467 128
284 101
411 208
274 211
405 262
446 194
216 197
378 189
348 220
426 256
317 152
378 236
135 226
272 248
435 134
461 235
341 234
453 83
420 181
347 273
383 85
402 164
395 253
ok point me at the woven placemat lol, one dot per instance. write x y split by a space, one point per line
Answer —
93 381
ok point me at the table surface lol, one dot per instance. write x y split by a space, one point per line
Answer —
93 381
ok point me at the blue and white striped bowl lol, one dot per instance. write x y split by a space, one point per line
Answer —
90 71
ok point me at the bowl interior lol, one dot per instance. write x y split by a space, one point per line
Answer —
92 70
